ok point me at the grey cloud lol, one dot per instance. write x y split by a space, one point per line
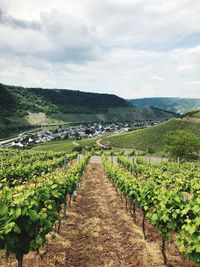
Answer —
68 54
7 19
61 38
139 48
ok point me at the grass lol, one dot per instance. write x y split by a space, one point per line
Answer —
55 146
152 138
63 146
88 142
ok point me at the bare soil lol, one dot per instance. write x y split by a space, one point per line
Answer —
99 232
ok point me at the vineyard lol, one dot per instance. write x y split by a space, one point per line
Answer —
78 210
31 195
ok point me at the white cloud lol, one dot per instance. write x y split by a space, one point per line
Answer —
133 48
194 82
156 77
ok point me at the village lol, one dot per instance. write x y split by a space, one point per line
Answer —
80 131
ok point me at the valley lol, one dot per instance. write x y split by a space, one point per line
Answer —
23 109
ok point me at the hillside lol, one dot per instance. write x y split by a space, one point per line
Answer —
178 105
50 101
118 114
192 114
151 138
22 108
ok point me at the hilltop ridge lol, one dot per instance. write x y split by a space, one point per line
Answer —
174 104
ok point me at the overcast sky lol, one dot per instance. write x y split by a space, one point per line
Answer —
132 48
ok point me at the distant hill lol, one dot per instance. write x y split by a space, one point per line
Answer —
50 101
22 108
178 105
152 137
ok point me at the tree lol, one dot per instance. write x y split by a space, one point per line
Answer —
181 143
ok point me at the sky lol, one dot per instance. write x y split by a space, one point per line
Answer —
132 48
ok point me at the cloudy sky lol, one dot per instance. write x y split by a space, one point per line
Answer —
133 48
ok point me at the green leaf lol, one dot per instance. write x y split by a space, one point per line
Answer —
154 218
33 215
9 227
18 212
191 228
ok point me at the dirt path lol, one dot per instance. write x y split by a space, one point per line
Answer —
98 232
98 142
103 233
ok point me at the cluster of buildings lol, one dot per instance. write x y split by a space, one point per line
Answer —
80 131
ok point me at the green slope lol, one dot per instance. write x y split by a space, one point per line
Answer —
88 142
64 145
151 137
193 114
48 101
22 108
179 105
55 146
118 114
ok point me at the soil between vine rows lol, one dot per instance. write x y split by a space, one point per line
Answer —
100 233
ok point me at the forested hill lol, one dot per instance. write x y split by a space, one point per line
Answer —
178 105
22 108
22 100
